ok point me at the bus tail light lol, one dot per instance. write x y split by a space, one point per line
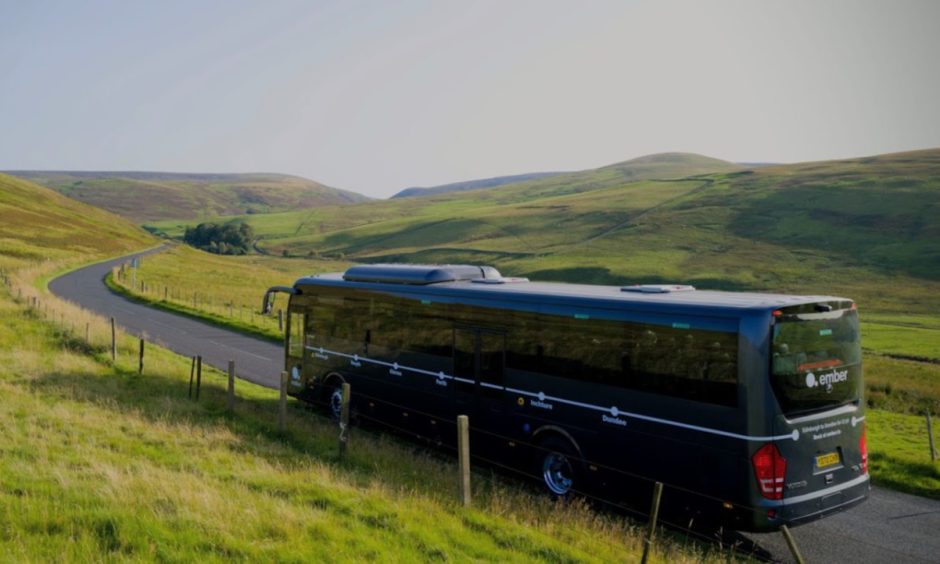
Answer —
770 469
863 448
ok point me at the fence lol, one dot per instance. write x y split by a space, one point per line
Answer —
185 299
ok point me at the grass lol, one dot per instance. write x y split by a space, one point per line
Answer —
900 455
228 290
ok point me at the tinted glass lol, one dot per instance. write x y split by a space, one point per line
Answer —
816 360
295 343
677 360
492 347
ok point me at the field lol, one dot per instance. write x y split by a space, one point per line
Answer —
863 228
148 196
98 462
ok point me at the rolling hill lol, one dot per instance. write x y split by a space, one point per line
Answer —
151 196
418 191
658 166
856 227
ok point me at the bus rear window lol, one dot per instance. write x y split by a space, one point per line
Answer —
816 361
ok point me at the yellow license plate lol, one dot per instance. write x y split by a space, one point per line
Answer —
826 460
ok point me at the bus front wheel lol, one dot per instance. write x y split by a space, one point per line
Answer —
558 467
332 397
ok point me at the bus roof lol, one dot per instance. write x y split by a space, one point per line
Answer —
494 287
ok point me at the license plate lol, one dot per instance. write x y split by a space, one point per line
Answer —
828 459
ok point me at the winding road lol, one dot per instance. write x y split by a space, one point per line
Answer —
256 360
890 527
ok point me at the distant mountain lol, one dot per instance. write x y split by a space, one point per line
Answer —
671 165
152 196
472 184
661 166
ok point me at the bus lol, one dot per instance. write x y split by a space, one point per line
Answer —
747 406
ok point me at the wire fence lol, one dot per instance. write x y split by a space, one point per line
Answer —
133 281
724 541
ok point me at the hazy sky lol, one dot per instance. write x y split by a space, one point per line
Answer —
379 96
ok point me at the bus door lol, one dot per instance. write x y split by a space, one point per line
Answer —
479 366
294 347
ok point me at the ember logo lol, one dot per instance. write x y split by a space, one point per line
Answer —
827 379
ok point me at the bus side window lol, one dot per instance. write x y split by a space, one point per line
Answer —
492 357
296 337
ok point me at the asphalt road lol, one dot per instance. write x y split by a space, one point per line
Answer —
256 360
889 527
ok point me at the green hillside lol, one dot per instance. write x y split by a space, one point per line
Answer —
149 196
39 224
658 166
782 227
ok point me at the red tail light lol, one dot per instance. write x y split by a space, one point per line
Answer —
863 448
770 469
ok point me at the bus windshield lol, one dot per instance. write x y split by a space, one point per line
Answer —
816 360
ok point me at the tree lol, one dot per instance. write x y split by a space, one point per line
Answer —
232 238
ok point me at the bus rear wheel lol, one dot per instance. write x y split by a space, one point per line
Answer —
558 467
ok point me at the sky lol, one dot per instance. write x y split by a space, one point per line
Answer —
379 96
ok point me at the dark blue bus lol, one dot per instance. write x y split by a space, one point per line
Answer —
747 406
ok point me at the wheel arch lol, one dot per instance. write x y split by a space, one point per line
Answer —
546 431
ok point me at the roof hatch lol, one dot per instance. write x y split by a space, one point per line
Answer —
419 274
657 288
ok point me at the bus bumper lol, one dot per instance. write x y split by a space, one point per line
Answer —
806 508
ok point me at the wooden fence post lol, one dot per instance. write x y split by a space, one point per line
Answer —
198 375
463 457
654 516
791 544
113 342
344 421
140 366
230 401
282 404
933 451
192 374
165 291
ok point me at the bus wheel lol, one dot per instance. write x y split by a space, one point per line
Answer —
331 396
336 401
558 466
